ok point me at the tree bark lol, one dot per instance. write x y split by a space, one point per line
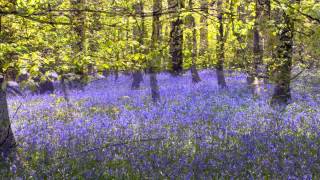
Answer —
137 79
116 74
138 34
97 26
204 29
156 35
78 18
78 25
155 92
8 153
192 44
7 141
176 37
241 54
220 48
257 50
284 53
65 89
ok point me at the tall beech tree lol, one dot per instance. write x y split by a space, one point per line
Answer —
156 44
257 49
7 140
78 20
176 35
204 43
192 45
220 49
138 35
284 53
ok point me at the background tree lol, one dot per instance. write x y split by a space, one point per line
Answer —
284 53
204 43
220 51
176 35
257 48
155 46
7 140
192 45
138 34
78 19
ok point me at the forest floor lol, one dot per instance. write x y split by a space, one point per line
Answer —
195 131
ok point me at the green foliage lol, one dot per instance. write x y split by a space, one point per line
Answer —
41 33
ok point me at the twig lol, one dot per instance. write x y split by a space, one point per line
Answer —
16 112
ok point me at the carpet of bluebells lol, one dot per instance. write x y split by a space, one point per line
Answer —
196 131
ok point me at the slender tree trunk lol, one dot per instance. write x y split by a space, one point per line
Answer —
116 74
78 27
194 72
204 31
138 34
93 44
220 48
155 92
257 51
7 141
282 94
0 23
241 54
156 35
192 44
137 79
65 89
176 36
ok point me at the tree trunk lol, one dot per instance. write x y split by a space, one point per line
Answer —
7 141
65 89
282 94
204 30
176 37
138 34
156 35
220 48
192 44
116 74
78 18
155 92
137 79
78 25
284 53
257 51
8 153
93 44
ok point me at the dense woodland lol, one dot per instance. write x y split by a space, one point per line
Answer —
177 74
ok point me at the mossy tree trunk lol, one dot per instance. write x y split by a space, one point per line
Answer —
78 17
176 36
156 35
138 34
284 52
7 140
203 51
256 70
192 44
220 47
